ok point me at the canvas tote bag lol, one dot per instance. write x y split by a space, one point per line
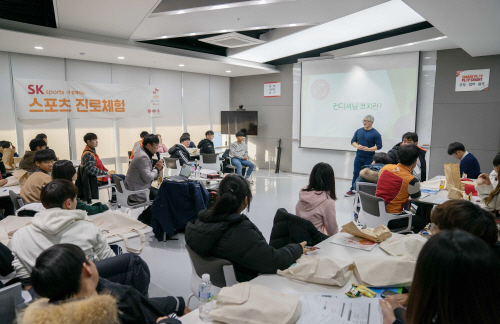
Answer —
255 304
21 176
384 271
11 181
12 223
321 270
408 245
116 223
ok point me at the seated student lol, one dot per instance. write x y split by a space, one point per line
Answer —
5 202
317 200
420 170
138 144
487 192
64 169
64 274
369 173
452 267
179 150
225 233
239 156
469 165
43 137
59 223
206 145
141 172
191 144
7 144
93 164
161 147
396 184
27 162
44 160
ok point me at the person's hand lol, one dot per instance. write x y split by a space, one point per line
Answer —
13 147
246 157
304 250
361 147
401 299
483 179
3 182
159 165
161 318
108 174
387 312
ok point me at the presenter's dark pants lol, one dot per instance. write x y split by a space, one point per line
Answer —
359 162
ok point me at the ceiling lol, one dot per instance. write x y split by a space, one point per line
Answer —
161 33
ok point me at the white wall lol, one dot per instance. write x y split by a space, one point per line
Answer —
199 98
342 162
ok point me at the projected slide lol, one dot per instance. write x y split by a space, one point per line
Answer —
337 94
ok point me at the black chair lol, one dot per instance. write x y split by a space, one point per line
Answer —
17 200
288 228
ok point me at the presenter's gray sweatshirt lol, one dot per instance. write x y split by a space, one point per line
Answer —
238 150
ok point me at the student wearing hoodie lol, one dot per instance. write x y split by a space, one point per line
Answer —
225 233
74 293
179 150
44 160
317 200
59 223
27 163
206 145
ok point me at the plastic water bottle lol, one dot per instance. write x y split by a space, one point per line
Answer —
205 297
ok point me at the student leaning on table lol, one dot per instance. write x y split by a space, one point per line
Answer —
225 233
488 193
456 281
59 223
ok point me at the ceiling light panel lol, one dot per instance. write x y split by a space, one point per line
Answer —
387 16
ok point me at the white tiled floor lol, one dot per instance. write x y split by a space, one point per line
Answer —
169 261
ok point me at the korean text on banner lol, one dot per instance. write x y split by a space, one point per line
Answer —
472 80
54 99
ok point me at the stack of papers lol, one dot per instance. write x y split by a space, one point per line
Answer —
337 309
353 242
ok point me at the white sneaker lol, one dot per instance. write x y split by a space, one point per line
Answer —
250 181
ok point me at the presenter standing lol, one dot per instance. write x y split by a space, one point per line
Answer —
367 140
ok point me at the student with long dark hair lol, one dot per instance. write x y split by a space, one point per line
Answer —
225 233
456 281
317 200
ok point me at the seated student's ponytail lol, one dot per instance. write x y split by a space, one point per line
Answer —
232 192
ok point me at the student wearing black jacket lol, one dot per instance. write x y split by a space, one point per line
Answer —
206 145
179 151
63 273
225 233
420 171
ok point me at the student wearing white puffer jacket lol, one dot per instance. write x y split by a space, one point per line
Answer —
59 223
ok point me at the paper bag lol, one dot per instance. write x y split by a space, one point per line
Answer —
377 235
321 270
117 223
8 158
11 181
245 303
22 176
408 245
452 174
383 271
455 193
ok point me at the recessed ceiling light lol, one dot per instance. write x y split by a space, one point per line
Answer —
228 71
180 12
292 25
224 31
427 57
192 34
164 37
121 57
262 2
181 64
38 47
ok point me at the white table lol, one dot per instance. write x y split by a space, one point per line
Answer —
290 286
4 191
441 196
